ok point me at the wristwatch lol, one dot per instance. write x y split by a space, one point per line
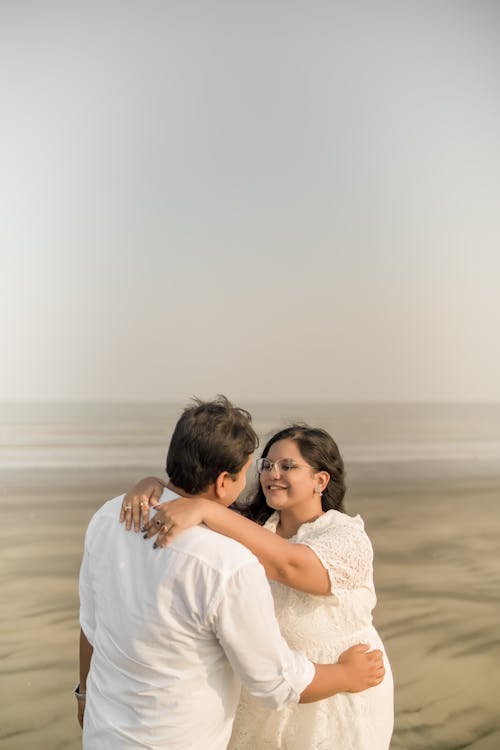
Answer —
80 697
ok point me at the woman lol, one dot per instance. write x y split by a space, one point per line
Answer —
319 562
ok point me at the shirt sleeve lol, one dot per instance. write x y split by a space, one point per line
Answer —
87 612
346 552
247 629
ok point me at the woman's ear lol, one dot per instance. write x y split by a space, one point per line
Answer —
322 479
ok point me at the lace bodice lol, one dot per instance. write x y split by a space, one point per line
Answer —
322 627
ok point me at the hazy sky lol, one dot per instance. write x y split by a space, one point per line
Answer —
271 200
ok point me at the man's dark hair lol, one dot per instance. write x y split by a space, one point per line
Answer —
210 437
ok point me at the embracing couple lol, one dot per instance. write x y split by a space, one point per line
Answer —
247 629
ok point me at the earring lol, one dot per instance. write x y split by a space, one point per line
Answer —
318 491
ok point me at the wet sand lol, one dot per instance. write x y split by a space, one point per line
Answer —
436 543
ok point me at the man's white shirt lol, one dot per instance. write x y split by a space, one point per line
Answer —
174 631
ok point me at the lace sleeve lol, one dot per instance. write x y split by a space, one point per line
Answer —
346 552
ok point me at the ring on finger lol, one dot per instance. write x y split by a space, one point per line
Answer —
127 507
144 504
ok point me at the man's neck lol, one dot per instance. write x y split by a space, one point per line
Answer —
207 493
177 490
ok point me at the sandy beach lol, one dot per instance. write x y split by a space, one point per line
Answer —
436 545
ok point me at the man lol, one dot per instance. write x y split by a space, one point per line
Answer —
167 637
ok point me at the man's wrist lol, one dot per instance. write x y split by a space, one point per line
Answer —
79 694
343 677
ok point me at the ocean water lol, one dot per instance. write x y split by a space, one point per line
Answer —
426 480
44 436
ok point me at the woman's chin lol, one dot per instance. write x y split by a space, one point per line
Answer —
276 500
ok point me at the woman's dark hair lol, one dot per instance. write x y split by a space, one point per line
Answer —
209 438
320 450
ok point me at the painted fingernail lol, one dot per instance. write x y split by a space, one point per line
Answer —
143 528
155 546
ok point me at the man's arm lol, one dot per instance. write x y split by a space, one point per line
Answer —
87 626
246 627
358 669
86 652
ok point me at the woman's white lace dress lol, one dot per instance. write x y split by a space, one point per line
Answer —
322 627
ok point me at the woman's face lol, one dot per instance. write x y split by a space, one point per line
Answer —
291 481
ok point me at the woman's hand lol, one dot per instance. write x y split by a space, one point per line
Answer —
136 503
174 517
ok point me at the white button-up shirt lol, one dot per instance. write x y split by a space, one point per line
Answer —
174 631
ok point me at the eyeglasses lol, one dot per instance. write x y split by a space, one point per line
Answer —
282 465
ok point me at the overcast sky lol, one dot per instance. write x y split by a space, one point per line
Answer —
273 200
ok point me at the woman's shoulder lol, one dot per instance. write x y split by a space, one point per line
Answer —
342 545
